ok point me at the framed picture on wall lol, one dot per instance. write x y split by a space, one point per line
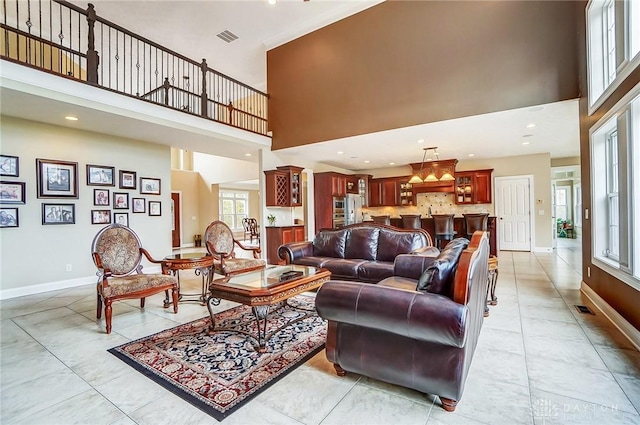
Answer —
120 200
121 218
58 213
127 179
100 175
12 192
101 197
100 216
8 217
149 186
9 166
154 208
139 205
57 179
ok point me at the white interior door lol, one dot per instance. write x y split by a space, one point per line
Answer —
513 208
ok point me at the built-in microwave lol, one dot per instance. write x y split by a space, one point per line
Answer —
339 204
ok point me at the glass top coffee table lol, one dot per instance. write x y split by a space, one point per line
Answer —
262 290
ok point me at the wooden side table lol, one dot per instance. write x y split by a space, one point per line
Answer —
203 265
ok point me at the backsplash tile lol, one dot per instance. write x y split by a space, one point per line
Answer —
440 203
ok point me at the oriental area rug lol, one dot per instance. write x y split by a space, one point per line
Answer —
219 373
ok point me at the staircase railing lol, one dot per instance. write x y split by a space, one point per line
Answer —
62 38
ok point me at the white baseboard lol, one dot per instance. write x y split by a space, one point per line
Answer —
632 334
6 294
543 249
187 245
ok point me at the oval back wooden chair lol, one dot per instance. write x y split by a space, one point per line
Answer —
117 253
220 244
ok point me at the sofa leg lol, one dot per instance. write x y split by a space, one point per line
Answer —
448 404
339 371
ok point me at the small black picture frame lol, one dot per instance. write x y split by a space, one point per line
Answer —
9 217
120 201
9 166
12 192
100 175
121 218
149 186
155 208
138 205
100 216
101 197
58 213
127 179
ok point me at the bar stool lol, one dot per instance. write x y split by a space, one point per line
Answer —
381 219
411 221
475 222
443 228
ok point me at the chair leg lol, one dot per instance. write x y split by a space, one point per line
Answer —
142 302
99 309
174 294
448 404
339 371
107 314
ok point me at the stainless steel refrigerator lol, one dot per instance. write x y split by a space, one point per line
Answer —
353 209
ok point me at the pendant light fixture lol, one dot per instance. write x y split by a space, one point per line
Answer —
431 177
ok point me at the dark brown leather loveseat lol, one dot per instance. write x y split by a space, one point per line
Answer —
364 252
422 339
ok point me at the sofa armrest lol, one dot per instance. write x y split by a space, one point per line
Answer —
428 251
411 265
290 252
422 316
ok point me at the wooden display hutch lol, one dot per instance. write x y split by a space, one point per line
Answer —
284 186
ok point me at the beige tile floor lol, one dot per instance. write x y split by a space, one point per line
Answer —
538 362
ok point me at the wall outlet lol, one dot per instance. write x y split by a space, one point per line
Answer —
68 267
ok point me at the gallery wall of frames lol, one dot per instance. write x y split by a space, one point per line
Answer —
116 193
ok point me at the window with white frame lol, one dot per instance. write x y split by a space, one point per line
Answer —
615 220
613 41
234 206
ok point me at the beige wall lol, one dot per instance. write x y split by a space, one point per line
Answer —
33 257
187 183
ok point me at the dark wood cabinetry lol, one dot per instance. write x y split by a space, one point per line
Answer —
284 186
473 187
278 235
338 186
384 192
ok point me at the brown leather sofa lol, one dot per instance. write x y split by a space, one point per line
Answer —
422 339
365 252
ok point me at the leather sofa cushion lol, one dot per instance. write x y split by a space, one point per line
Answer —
330 243
438 278
362 243
343 267
313 261
375 271
392 243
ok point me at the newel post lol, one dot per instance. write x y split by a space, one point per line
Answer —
230 108
92 56
203 94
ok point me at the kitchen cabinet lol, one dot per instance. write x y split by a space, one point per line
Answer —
279 235
384 192
338 186
473 187
284 186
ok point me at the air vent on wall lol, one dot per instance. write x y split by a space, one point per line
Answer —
227 36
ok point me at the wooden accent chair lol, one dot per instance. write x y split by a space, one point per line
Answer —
117 253
220 243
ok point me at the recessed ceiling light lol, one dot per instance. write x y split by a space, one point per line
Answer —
71 118
472 154
340 152
530 125
525 143
367 161
247 154
421 141
272 2
392 163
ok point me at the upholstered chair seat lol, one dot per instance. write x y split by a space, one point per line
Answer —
220 243
117 253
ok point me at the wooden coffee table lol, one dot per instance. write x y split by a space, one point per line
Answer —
262 289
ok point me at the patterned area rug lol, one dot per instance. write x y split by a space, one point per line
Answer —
222 372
